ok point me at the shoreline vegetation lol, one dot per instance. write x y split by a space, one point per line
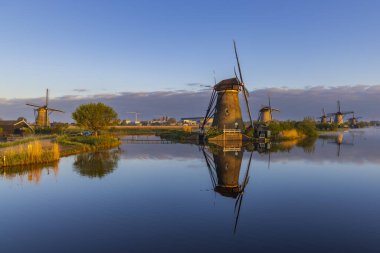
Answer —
50 146
49 149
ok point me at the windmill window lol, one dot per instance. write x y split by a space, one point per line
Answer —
226 111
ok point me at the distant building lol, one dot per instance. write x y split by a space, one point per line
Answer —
15 127
193 121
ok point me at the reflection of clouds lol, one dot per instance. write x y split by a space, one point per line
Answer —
364 150
161 151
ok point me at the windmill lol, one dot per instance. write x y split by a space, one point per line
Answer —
42 113
265 113
323 117
353 121
224 104
339 115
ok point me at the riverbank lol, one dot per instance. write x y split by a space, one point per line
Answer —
48 149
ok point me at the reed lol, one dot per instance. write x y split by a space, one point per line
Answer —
32 153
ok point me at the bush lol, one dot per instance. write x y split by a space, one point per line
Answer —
307 127
213 131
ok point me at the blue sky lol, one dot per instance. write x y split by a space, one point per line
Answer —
132 46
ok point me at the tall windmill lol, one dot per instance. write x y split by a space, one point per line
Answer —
224 104
339 115
323 117
42 113
265 113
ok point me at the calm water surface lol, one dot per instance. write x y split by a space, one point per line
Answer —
164 198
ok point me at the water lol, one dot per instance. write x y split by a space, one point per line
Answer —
161 198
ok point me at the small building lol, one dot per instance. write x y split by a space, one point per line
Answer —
192 121
15 127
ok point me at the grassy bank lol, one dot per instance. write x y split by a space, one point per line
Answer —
41 151
289 130
32 153
24 140
70 145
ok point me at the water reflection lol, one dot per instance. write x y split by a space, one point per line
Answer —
224 164
97 164
30 173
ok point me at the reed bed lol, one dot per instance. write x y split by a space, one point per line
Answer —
31 153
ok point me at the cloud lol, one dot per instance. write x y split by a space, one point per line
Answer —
81 90
293 103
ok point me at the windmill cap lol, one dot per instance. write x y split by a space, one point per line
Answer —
228 84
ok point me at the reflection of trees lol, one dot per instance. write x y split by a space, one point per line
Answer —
96 164
307 144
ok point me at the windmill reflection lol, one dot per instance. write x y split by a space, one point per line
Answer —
224 166
97 164
339 141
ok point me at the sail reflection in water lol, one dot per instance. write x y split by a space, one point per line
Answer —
29 173
97 164
224 164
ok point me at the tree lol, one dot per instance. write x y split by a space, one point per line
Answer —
94 116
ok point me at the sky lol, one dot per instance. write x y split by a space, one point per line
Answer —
101 49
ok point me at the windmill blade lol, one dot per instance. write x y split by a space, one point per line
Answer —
54 110
237 78
338 103
242 84
323 112
38 106
47 98
275 109
238 63
345 113
270 108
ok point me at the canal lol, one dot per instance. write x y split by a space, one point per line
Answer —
154 196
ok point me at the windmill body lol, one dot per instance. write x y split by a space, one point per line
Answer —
42 118
227 109
265 113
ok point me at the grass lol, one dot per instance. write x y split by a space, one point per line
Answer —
33 153
78 144
23 141
291 134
